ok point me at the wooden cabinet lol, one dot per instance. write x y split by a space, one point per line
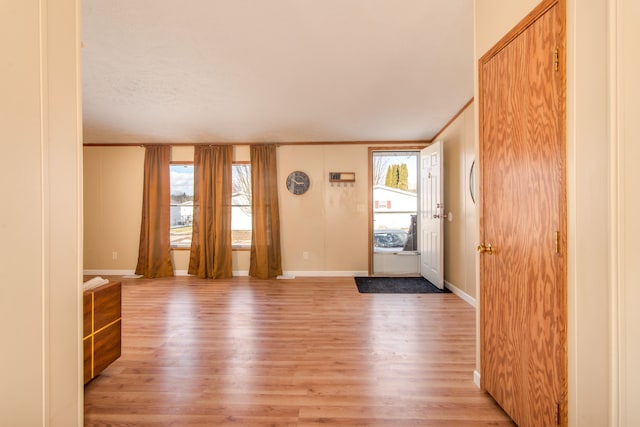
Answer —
102 328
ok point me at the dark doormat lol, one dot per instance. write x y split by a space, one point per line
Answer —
397 285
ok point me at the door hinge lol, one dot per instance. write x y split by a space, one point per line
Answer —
558 414
556 243
556 59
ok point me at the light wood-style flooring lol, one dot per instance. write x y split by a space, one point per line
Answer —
302 352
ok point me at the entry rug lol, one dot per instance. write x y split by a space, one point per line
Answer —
397 285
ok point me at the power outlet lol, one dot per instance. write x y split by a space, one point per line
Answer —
305 255
114 255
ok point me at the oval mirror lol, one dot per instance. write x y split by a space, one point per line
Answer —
472 181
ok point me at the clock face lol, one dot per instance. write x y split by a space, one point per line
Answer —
298 182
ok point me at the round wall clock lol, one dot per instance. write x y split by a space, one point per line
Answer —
298 182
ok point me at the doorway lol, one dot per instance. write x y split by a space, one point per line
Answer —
394 212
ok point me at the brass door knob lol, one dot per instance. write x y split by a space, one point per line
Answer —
485 249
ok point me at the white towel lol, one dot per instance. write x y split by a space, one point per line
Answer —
94 283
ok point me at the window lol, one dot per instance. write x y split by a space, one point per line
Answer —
181 176
241 206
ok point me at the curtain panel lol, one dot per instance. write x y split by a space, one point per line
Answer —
266 260
154 253
211 239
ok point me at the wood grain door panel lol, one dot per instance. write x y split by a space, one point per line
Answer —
523 216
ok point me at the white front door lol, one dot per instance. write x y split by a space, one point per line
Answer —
431 215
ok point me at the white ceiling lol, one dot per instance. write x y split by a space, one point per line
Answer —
273 70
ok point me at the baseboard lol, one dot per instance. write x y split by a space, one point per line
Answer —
240 273
325 273
460 293
108 272
476 378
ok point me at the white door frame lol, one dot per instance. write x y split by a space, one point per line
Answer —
402 263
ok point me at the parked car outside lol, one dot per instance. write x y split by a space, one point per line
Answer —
389 240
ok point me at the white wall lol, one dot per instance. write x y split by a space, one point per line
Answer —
589 177
627 204
113 180
460 239
40 262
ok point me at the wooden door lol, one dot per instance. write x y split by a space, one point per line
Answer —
523 311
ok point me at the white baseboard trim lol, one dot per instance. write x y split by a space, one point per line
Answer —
476 378
459 292
240 273
325 273
108 272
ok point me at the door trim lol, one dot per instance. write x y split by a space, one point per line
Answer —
370 191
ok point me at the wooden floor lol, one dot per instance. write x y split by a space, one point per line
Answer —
300 352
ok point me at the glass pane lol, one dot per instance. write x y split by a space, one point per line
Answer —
181 177
241 206
395 201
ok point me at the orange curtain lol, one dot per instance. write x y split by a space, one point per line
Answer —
211 239
154 254
266 261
